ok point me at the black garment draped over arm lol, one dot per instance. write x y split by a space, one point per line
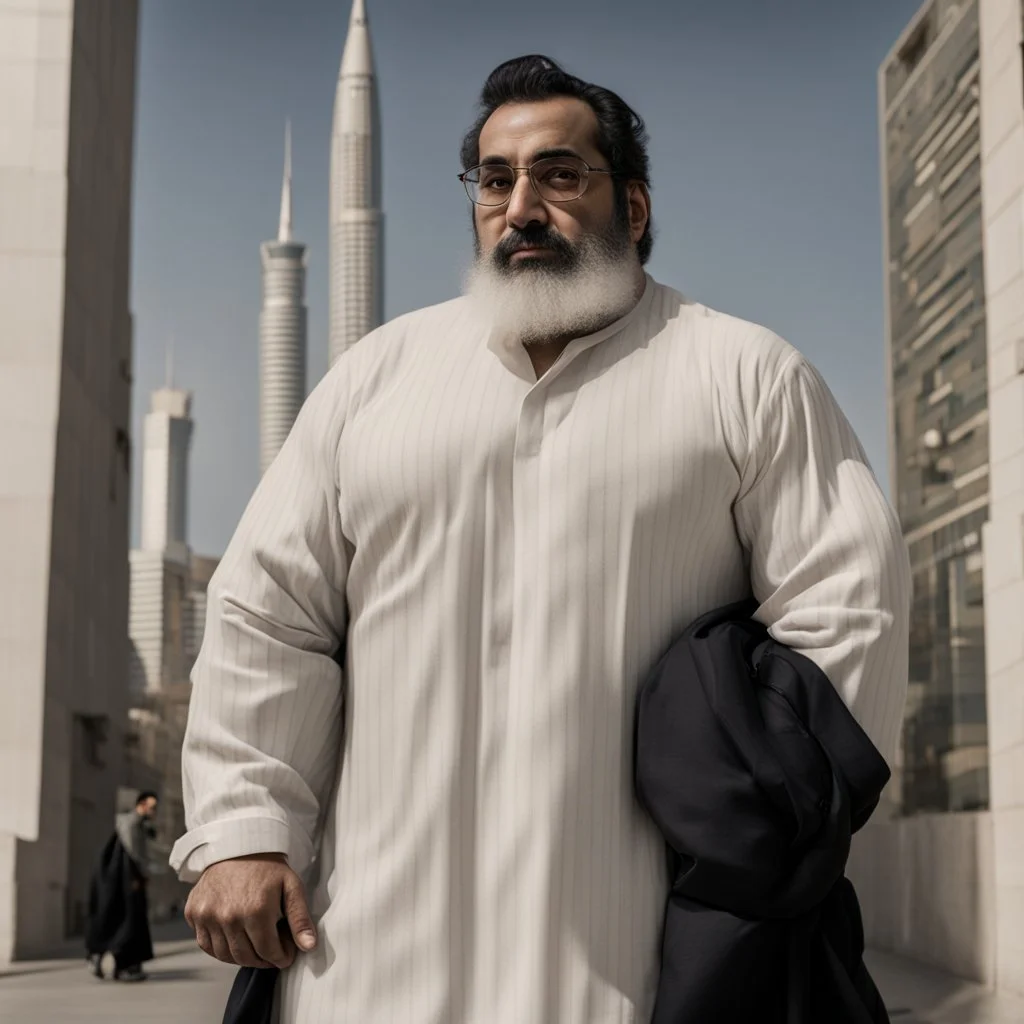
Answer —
757 775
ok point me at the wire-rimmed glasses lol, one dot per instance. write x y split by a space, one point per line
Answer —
556 179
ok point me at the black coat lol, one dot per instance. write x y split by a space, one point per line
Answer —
118 914
757 775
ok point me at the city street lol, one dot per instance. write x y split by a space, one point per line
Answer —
185 985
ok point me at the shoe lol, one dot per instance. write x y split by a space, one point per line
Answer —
96 965
131 974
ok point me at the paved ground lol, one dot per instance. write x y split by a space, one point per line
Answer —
182 987
187 986
917 995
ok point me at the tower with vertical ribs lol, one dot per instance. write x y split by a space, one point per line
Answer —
282 327
356 225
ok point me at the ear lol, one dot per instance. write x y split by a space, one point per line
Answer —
639 206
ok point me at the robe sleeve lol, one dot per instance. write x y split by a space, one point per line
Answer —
261 748
828 562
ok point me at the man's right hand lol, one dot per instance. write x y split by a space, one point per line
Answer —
236 906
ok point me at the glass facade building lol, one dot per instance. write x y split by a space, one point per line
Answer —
938 394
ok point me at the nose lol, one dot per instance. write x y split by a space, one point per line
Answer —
524 205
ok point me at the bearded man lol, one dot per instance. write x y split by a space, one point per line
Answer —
415 699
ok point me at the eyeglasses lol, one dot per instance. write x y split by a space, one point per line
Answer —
556 179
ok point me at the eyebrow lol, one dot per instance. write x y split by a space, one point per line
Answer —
541 154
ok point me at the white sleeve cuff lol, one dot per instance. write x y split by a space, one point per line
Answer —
195 851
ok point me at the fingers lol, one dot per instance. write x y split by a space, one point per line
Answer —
300 922
240 947
217 948
230 946
268 942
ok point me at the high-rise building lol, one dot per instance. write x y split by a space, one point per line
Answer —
937 371
282 327
356 220
165 629
160 567
167 439
67 107
946 888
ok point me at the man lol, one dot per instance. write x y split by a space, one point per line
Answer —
118 908
491 518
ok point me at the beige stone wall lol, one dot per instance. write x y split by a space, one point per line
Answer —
67 73
926 890
1002 138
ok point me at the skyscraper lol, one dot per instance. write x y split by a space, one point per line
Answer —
947 888
357 224
938 393
165 626
67 96
160 567
282 327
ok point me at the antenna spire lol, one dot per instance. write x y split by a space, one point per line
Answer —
284 230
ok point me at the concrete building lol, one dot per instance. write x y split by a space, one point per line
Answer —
942 880
1002 154
938 395
67 111
282 327
357 223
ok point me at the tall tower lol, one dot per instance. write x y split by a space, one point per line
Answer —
936 322
282 327
159 568
167 436
167 599
357 224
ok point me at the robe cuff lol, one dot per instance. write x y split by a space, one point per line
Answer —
195 851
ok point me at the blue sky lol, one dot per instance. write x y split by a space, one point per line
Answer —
764 149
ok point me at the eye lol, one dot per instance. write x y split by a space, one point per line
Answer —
495 179
561 177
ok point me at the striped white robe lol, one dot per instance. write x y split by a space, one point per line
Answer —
500 561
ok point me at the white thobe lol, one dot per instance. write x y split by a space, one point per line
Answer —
424 642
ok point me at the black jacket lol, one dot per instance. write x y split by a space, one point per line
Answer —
757 775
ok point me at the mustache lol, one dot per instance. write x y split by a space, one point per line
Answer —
538 236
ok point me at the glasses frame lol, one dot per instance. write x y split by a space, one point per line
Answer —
588 170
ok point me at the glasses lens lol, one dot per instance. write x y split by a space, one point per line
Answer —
560 178
490 184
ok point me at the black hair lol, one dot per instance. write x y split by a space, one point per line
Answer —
621 134
145 795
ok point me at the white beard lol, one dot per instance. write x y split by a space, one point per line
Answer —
534 304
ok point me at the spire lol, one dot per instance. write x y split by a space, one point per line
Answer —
169 364
357 58
284 230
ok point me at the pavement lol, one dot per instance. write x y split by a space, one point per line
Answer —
916 994
186 985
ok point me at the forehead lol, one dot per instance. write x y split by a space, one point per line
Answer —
516 131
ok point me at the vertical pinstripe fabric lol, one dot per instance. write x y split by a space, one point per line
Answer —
501 560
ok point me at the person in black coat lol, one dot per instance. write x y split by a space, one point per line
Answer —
118 908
